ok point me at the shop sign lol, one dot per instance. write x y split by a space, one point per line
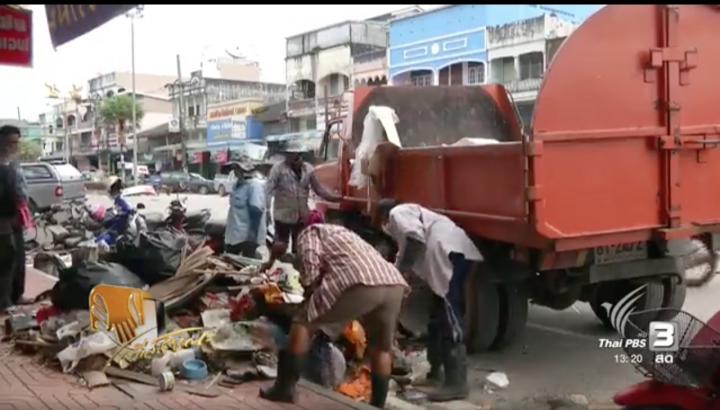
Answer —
15 37
70 21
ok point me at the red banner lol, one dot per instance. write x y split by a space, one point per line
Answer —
221 157
15 37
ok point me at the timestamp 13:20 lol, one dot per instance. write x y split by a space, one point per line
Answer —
628 358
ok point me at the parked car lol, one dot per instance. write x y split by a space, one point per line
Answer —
50 184
223 183
182 182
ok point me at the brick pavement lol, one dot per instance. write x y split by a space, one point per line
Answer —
26 385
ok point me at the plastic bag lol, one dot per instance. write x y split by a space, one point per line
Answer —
73 289
95 343
326 364
153 256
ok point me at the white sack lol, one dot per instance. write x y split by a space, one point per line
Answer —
371 137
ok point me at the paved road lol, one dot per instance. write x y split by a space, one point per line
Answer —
558 355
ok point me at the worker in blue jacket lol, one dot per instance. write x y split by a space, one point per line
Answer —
246 224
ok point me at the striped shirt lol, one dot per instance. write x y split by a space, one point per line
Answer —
291 192
336 259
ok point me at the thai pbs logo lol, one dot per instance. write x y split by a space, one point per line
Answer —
661 336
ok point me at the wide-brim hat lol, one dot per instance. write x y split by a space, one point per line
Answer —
294 147
244 163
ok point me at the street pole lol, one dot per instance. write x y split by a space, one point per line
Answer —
181 115
134 102
137 13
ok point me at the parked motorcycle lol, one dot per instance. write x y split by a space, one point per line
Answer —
700 263
113 224
686 379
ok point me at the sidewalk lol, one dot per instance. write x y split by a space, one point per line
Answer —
26 385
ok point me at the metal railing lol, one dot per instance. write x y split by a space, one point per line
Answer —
528 84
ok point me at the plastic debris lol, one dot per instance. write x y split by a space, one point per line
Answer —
498 380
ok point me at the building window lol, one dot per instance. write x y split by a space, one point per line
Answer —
476 73
531 66
421 80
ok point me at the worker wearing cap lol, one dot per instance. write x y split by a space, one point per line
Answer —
441 253
245 229
289 184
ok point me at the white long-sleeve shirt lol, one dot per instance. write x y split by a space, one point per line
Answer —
441 238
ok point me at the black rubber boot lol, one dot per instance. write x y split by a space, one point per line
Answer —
289 369
379 390
455 385
435 358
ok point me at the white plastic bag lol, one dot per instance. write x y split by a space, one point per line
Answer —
92 344
371 137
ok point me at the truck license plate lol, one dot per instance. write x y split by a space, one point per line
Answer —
620 253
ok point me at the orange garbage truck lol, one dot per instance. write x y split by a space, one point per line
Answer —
619 169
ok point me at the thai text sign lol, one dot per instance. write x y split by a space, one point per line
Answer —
70 21
15 37
233 109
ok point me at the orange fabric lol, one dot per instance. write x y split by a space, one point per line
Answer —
355 334
272 293
359 387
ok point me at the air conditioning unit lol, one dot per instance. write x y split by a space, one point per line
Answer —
174 125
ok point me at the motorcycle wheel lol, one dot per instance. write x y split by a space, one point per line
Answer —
699 264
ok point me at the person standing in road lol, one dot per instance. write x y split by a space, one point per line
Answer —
289 184
442 254
246 227
347 279
10 218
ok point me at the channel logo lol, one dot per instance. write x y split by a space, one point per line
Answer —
129 316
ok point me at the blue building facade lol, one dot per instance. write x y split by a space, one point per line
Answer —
449 45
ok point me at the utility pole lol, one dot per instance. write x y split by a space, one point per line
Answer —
137 13
181 115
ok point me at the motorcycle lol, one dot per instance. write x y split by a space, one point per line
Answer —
113 224
685 379
191 224
700 263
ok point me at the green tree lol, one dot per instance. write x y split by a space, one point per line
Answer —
116 111
29 150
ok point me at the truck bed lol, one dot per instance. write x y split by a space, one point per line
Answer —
624 144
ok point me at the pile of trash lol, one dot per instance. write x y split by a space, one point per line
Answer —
200 321
214 321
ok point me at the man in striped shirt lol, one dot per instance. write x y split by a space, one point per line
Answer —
348 280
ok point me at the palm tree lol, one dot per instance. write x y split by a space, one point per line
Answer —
117 112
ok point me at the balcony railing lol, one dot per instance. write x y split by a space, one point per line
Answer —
528 84
369 56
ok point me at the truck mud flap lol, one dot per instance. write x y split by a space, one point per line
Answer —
514 308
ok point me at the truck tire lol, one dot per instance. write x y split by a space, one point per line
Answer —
221 191
613 292
514 308
675 293
482 315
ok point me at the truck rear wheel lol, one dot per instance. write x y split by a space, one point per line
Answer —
513 313
608 294
674 296
482 314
